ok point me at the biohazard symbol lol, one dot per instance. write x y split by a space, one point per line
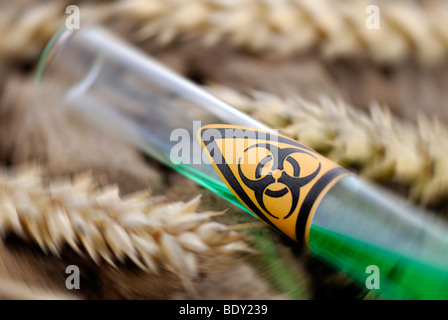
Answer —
272 170
277 179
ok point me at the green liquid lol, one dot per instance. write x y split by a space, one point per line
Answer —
399 277
218 187
354 227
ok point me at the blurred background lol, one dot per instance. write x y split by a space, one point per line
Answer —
363 82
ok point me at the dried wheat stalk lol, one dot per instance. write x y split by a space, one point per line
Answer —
380 146
334 27
99 223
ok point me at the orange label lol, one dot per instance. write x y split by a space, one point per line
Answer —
277 178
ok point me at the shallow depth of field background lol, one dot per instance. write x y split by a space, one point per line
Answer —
374 100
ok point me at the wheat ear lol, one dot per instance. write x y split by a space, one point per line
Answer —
379 146
99 223
335 28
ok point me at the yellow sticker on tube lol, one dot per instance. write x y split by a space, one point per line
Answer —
277 178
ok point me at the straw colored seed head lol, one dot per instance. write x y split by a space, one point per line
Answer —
105 227
379 146
333 28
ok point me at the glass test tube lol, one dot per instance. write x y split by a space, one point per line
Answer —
356 225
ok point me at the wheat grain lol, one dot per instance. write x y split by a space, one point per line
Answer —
334 28
381 147
98 223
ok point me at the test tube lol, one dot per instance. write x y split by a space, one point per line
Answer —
354 226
